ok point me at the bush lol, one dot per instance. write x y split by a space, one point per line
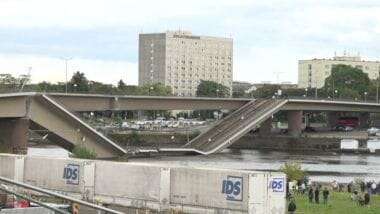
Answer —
83 153
293 171
134 138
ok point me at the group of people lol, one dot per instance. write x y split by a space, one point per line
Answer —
313 194
360 192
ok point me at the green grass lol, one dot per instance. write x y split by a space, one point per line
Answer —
83 153
338 203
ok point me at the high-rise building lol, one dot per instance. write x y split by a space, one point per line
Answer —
312 73
181 60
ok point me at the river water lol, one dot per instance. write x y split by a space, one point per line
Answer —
319 166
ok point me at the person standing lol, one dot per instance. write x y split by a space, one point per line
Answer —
292 207
311 195
373 187
303 188
325 194
366 198
316 195
349 187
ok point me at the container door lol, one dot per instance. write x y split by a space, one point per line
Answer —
276 193
257 193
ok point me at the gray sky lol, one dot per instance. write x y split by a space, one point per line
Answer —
102 35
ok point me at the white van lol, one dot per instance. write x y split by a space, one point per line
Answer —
373 145
349 144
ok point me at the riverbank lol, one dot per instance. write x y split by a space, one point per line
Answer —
339 202
328 141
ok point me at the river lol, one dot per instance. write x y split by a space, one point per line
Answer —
319 166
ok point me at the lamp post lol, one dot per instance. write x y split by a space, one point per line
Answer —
335 92
365 96
150 89
66 61
305 92
377 87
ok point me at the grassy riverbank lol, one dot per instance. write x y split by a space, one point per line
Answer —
338 203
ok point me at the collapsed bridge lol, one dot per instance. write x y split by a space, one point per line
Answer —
55 115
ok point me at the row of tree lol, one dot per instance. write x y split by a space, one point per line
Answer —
80 84
345 82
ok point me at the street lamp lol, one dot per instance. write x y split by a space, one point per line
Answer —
305 92
335 92
150 89
365 96
217 92
66 61
377 87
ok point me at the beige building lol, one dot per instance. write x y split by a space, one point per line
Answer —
312 73
180 60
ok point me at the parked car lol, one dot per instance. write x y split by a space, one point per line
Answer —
309 129
342 128
373 131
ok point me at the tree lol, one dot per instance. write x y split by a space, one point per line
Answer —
79 82
349 82
157 89
121 85
212 89
266 91
293 171
100 88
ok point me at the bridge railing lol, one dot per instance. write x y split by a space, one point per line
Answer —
327 99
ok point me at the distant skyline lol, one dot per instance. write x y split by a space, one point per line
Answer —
102 35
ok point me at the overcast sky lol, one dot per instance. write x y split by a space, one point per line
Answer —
102 35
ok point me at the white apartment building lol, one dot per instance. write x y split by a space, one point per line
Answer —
312 73
181 60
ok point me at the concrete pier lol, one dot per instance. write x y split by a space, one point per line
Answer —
266 127
14 135
294 123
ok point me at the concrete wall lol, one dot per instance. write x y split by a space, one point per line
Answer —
138 182
204 187
12 166
184 189
49 173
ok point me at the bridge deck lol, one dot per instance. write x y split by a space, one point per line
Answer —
231 128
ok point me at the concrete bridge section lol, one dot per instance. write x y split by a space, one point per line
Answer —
96 102
233 127
54 114
41 113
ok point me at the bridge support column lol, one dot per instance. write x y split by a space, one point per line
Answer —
294 123
364 120
14 135
332 119
266 127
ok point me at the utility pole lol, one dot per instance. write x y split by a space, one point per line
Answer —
66 61
333 88
316 92
377 87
